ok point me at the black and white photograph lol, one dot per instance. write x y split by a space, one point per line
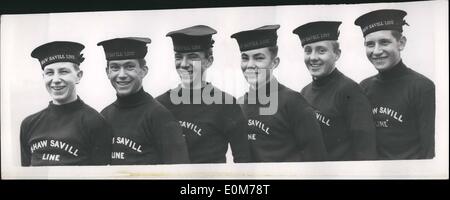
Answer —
338 91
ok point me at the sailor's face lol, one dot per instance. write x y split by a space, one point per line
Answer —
60 80
190 66
383 49
257 66
126 76
320 58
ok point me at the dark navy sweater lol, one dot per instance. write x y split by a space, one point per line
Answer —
69 134
403 106
292 134
144 132
210 126
344 114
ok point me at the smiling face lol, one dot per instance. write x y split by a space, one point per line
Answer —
126 75
257 65
60 80
191 68
383 49
320 57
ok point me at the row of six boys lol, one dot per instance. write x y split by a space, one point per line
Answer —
388 116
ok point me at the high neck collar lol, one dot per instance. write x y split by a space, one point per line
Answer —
396 71
266 87
206 84
318 82
202 85
74 105
254 95
188 94
132 99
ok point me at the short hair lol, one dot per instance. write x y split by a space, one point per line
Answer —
142 62
397 34
208 52
76 66
335 45
273 51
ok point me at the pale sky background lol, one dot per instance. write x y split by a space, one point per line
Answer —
23 92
